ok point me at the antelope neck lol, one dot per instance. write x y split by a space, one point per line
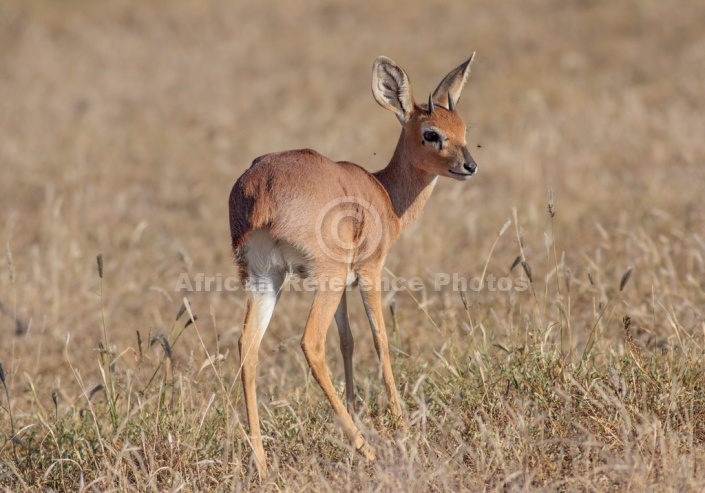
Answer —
408 186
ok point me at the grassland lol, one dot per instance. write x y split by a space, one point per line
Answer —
123 126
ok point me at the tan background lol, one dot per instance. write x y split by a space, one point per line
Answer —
123 126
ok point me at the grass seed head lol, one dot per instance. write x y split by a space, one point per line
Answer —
527 269
10 263
633 347
464 299
181 311
161 338
625 278
99 260
139 343
21 328
96 388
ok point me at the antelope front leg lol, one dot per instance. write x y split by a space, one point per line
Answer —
346 348
314 347
372 299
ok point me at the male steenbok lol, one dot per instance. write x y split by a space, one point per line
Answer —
298 213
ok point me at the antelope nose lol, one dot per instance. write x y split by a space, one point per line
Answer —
470 167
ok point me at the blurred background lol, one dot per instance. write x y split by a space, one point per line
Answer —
124 124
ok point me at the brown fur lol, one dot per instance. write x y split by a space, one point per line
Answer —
284 191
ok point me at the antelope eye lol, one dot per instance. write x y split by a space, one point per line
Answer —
431 136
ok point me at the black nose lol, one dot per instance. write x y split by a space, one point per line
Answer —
470 167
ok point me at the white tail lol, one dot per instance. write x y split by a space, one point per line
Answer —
299 213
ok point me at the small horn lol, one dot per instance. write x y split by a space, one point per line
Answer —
451 103
430 103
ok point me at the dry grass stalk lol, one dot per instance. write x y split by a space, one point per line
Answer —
13 437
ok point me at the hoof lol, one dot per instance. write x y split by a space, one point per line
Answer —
262 471
367 452
364 449
261 465
398 420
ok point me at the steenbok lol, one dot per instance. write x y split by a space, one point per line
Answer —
297 213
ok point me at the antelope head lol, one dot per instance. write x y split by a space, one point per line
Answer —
433 134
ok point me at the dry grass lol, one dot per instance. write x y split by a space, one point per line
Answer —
123 127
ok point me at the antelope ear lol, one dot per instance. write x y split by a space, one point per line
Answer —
391 88
452 84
